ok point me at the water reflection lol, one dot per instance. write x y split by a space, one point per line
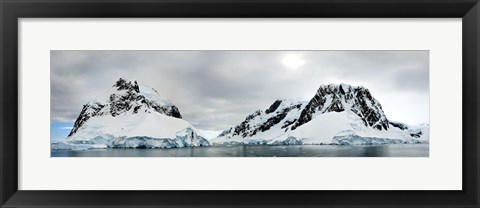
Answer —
395 150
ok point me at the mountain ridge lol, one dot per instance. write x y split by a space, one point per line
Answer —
356 110
126 97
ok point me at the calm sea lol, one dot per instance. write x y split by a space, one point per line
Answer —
392 150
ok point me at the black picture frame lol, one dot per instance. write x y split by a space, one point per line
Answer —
11 10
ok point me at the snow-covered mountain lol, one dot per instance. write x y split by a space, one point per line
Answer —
337 114
131 116
275 120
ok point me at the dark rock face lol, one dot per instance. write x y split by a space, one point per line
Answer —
226 132
342 97
398 125
244 127
123 84
369 109
415 133
274 115
273 107
87 112
126 98
278 118
173 112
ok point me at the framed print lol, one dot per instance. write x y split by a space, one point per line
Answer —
315 103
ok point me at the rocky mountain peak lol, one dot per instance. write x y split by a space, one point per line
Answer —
124 84
261 121
341 97
290 114
126 97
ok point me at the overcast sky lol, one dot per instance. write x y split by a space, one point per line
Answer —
217 89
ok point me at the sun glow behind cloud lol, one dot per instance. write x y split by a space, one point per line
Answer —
293 61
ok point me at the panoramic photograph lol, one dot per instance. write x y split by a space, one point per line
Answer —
239 103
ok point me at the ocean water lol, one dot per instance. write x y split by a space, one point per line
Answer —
391 150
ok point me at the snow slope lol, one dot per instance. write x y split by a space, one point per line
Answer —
347 128
261 125
274 119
